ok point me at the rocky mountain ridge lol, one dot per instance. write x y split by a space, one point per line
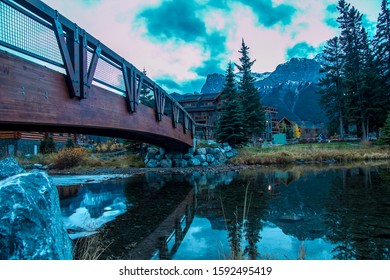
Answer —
291 88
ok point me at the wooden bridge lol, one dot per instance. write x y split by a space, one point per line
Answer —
56 77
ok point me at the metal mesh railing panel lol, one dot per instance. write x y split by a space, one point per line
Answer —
26 35
107 73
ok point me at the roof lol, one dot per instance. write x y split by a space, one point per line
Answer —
194 96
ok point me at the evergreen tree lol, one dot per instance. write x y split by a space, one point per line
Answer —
375 107
231 123
352 44
385 137
70 143
382 42
47 146
254 112
146 97
381 45
331 86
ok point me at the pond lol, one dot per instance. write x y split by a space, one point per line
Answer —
319 213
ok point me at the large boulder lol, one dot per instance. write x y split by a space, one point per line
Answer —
31 226
9 167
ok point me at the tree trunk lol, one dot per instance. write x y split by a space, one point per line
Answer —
341 125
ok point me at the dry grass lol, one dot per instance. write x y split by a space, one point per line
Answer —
79 158
283 155
90 247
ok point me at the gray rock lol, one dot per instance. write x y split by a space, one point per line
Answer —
159 157
201 158
193 162
210 158
166 163
188 156
177 156
205 164
200 151
152 152
31 226
9 167
210 151
180 163
191 151
229 155
168 156
152 163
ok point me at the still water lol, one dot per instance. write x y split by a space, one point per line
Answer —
308 213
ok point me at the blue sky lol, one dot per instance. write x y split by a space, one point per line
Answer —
179 42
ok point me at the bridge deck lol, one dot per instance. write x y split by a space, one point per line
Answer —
35 98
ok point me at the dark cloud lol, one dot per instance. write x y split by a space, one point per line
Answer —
209 67
268 14
183 87
216 43
331 14
301 49
174 20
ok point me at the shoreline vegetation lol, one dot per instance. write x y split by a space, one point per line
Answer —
80 161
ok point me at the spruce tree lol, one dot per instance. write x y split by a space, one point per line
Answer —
254 111
146 97
381 45
351 39
331 86
385 137
231 123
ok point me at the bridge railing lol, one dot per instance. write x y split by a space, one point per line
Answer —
32 28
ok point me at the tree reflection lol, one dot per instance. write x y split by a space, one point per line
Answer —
243 204
358 215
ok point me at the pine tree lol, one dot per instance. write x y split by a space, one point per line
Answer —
351 39
231 123
146 97
381 45
385 137
254 112
374 106
47 146
331 86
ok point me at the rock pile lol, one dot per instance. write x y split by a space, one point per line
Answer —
217 154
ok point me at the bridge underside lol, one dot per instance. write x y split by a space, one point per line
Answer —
35 98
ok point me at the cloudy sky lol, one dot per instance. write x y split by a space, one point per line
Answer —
179 42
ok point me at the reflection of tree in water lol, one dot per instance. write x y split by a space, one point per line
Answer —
358 215
243 206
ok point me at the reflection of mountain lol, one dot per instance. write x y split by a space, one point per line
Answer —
93 206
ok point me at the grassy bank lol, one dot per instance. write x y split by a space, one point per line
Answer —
288 154
80 158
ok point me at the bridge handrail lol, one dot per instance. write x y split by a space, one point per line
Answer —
46 16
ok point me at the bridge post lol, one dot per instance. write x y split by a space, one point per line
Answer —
159 99
133 88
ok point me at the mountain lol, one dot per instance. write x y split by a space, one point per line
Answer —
291 88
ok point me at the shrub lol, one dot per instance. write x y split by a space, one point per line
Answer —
68 158
47 146
70 143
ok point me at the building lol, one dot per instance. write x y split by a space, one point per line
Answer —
271 123
205 108
17 143
307 129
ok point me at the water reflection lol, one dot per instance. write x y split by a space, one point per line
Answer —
322 213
